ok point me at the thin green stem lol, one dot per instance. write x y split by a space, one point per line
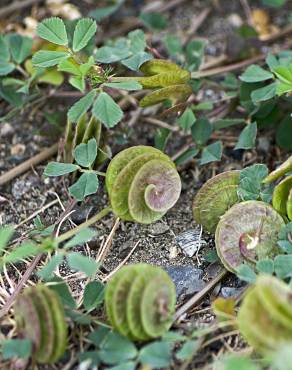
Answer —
84 225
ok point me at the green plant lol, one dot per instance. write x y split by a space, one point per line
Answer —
140 301
39 316
265 315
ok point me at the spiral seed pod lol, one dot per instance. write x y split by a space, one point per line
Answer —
81 132
247 232
40 317
214 198
282 197
140 301
265 315
142 184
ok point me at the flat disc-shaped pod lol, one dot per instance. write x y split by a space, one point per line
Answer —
247 232
176 93
276 297
134 299
27 319
257 326
60 326
158 305
119 303
122 159
110 293
157 66
119 195
154 190
214 198
281 194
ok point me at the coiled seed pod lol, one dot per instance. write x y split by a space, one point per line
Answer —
282 197
214 198
247 232
40 317
142 184
265 315
140 301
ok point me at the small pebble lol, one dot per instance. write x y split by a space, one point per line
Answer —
158 228
190 241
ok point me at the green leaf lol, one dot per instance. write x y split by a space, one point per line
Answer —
85 154
83 32
137 41
187 119
107 54
250 182
82 237
283 266
20 47
19 348
5 54
173 45
97 336
47 271
201 131
282 88
78 82
87 265
161 137
227 122
58 285
116 349
101 13
285 241
247 137
186 156
129 365
238 363
284 73
284 133
230 81
134 62
8 94
6 233
211 153
86 184
28 249
264 93
46 58
255 73
6 68
53 30
265 266
272 61
106 110
127 85
93 295
81 106
68 65
194 54
246 273
274 3
156 355
187 351
155 21
59 169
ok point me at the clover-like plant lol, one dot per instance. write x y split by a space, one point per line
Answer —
140 301
40 317
142 183
214 198
248 232
265 315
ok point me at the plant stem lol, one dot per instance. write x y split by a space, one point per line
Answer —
84 225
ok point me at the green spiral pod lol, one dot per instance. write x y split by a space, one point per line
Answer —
140 301
265 315
142 183
40 317
214 198
282 197
246 233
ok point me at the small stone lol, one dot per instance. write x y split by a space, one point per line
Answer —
173 252
190 241
235 20
81 214
187 279
17 149
159 228
6 130
20 187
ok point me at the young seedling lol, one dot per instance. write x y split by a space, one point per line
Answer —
140 301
